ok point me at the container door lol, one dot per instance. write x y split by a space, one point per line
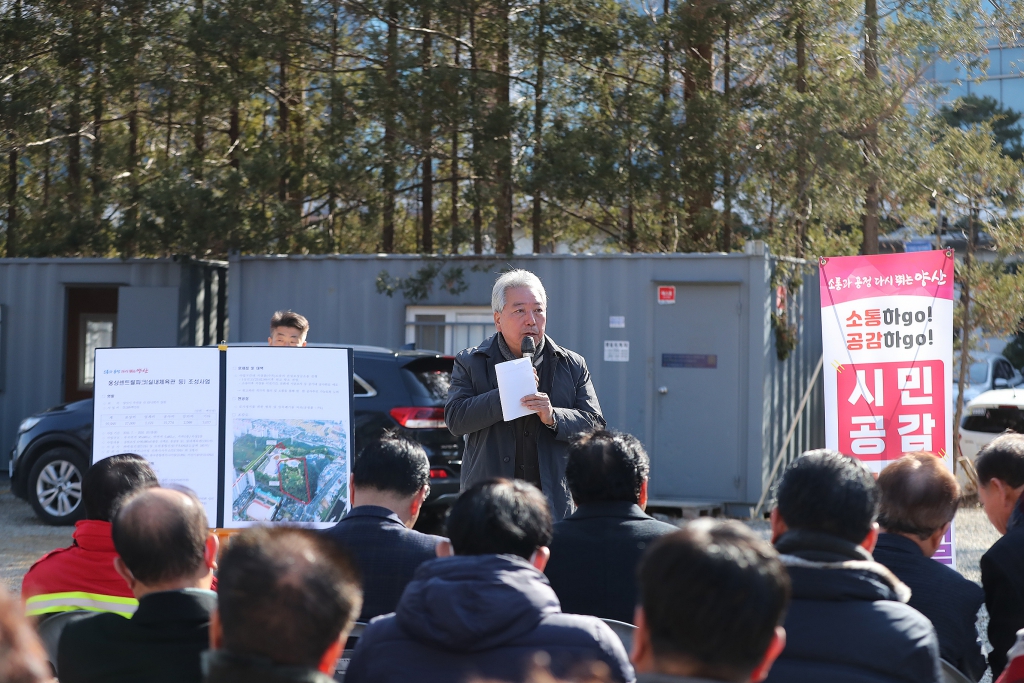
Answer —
696 384
91 324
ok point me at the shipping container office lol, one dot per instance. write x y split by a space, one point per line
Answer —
699 381
55 311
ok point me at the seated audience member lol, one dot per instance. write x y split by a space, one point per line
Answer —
919 498
596 549
167 556
287 599
82 576
712 597
1000 467
390 480
22 657
847 621
487 610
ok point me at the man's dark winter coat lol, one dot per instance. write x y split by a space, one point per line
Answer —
385 551
480 615
161 643
1002 576
474 408
848 621
950 601
594 556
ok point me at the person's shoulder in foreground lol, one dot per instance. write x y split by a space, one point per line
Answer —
919 498
287 601
390 480
484 607
167 557
848 621
1000 467
22 657
712 600
82 576
596 549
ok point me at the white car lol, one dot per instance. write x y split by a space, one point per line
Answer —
988 416
987 371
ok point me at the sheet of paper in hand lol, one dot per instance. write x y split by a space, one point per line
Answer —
515 380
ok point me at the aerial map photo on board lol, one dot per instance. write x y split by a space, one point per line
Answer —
289 471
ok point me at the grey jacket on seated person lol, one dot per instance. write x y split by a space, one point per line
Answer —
474 409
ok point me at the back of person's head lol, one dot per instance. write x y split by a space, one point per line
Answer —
161 534
109 480
1003 459
828 492
22 657
500 517
606 466
392 464
919 495
712 595
290 319
285 594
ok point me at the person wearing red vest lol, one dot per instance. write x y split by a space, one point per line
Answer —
82 576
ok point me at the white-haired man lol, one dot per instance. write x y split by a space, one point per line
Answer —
534 447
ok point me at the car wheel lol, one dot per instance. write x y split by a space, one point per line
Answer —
55 486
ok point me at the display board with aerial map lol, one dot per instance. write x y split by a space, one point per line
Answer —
261 434
288 439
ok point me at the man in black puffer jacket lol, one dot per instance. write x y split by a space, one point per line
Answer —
847 622
486 611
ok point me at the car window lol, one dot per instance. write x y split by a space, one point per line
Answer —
978 373
1003 370
428 379
994 420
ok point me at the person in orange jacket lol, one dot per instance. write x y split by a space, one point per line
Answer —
82 576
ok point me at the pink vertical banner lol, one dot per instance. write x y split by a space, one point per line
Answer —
887 336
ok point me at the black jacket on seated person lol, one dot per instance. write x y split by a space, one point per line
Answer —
1002 576
385 551
950 601
594 556
848 621
161 643
223 667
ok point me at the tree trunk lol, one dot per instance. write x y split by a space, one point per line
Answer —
96 180
697 82
427 132
478 232
390 142
871 193
11 241
454 222
726 243
12 204
538 126
669 234
503 242
965 330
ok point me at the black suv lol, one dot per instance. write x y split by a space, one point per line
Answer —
402 391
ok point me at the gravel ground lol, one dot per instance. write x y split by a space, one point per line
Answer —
23 538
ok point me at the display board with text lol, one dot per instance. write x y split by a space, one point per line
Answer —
261 434
887 334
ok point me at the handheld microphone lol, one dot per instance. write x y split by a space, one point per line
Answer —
528 347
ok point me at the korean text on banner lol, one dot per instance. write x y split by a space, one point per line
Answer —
887 336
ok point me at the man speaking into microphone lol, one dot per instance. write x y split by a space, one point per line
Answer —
533 447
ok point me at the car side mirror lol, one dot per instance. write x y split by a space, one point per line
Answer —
1000 383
